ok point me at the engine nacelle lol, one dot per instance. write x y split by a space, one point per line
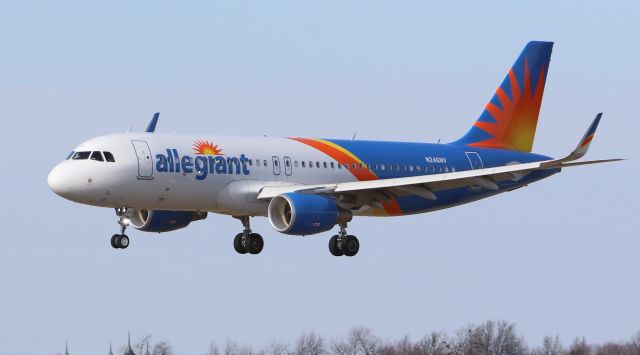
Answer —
303 214
163 221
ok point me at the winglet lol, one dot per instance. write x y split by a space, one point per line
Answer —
152 125
583 146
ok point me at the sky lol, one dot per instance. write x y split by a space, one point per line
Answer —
558 257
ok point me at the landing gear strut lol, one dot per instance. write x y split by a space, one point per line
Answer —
247 242
121 241
344 244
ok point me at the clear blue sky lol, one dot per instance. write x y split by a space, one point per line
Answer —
558 257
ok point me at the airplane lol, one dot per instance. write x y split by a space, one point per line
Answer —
304 186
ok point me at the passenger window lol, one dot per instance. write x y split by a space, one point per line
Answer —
453 169
250 162
295 163
81 156
418 168
382 167
258 163
333 166
310 164
411 168
324 164
360 166
433 169
70 155
304 164
339 166
318 164
287 163
264 162
446 169
109 157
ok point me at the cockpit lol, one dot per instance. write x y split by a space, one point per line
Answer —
92 155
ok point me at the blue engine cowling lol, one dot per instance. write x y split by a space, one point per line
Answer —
304 214
163 221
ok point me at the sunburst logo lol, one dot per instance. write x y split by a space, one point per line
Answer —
204 147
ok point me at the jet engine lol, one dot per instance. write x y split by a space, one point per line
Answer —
163 221
305 214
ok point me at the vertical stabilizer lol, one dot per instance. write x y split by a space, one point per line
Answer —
509 120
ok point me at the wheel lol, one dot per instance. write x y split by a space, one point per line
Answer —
237 244
116 241
256 243
123 241
113 241
333 247
351 246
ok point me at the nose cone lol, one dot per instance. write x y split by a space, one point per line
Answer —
58 182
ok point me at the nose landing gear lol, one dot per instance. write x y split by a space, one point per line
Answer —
121 241
344 244
247 242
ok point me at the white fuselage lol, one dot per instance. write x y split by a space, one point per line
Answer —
134 181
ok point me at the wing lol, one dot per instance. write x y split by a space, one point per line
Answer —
381 191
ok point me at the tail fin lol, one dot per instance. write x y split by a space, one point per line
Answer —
509 120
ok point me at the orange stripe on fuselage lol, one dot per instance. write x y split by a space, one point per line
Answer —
343 156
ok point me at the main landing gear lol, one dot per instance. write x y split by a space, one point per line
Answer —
247 242
344 244
121 241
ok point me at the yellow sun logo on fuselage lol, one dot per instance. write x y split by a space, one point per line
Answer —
204 147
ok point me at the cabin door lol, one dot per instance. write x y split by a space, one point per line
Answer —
474 160
145 163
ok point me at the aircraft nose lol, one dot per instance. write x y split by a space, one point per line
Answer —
57 181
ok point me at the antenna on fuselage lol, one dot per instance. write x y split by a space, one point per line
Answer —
130 128
152 125
353 138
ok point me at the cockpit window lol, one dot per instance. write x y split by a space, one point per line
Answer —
70 155
97 156
81 156
109 157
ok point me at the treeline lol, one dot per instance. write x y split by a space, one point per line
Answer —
489 338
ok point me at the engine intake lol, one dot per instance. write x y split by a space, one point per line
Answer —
163 221
303 214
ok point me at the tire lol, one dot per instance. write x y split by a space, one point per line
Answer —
237 244
116 241
333 246
256 243
113 241
351 246
123 241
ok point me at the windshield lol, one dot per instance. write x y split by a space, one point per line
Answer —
81 156
109 157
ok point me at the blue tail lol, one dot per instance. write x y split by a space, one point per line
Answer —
510 119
